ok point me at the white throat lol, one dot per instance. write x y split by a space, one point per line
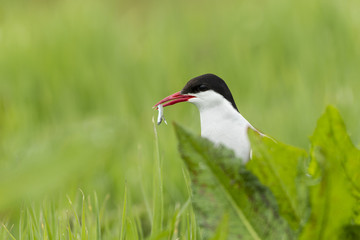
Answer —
222 124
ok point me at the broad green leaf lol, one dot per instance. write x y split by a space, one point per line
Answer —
334 137
281 168
222 186
332 199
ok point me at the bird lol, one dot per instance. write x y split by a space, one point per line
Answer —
220 120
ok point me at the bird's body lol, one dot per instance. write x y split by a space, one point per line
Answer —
220 119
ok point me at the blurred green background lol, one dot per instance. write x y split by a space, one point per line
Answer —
78 80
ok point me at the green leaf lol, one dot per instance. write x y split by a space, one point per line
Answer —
221 185
333 135
332 199
281 168
351 232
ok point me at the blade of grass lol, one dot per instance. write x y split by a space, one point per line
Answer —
47 225
8 232
143 192
83 223
21 224
158 198
123 219
192 228
174 222
139 228
31 225
77 221
131 230
71 237
223 229
98 227
34 222
189 232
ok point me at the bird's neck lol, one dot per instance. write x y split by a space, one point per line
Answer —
221 115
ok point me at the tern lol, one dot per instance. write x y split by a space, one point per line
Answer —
221 121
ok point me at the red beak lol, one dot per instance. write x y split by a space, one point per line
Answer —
173 99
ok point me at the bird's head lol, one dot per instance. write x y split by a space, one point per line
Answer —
204 91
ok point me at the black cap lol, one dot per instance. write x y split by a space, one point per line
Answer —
209 82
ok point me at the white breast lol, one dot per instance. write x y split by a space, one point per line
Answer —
222 124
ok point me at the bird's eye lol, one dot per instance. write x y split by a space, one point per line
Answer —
203 87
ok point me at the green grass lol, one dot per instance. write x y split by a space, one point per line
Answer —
78 80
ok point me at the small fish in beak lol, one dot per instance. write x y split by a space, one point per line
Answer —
160 114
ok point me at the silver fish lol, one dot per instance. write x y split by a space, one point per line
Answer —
161 115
